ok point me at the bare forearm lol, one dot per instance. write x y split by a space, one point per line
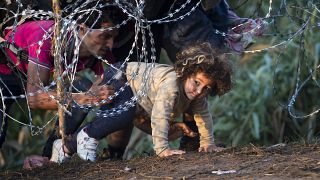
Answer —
45 100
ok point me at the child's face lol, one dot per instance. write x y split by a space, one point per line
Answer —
197 86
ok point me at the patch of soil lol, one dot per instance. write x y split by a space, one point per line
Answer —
275 162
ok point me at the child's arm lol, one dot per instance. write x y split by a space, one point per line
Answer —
161 114
204 121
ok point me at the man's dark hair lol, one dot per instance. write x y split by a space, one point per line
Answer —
204 58
98 14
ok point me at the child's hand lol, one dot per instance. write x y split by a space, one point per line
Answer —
210 148
185 129
170 152
179 129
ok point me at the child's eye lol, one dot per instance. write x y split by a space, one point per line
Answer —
197 83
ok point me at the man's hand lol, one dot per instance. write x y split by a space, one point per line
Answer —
210 148
99 92
170 152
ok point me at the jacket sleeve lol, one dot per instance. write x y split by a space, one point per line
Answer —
203 120
161 114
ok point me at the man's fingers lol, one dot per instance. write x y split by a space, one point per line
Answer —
107 91
102 91
108 88
98 81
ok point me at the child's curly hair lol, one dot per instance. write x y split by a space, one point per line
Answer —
203 58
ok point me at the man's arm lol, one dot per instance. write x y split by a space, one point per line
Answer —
38 75
203 120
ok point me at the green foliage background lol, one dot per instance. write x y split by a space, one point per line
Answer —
255 111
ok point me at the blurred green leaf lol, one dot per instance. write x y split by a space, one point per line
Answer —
256 125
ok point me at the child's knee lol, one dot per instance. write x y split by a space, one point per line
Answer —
143 124
120 139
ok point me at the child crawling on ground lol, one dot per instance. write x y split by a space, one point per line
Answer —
164 92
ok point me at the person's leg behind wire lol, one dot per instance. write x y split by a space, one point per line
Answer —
73 122
86 140
117 143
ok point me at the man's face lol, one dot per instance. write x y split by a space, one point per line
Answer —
197 86
98 41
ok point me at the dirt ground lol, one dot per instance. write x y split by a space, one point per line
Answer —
294 161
